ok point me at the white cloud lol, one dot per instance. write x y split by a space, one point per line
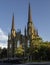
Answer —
3 39
3 45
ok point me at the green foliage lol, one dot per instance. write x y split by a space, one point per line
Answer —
41 51
38 51
19 51
3 53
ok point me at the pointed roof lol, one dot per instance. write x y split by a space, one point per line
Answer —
30 21
29 14
13 22
25 31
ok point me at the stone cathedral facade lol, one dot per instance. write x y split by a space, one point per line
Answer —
30 36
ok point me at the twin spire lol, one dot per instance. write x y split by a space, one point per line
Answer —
29 17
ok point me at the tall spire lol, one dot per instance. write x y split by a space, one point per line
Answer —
29 14
13 31
13 22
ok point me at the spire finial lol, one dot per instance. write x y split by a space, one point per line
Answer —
13 21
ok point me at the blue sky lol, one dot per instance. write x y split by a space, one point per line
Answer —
40 16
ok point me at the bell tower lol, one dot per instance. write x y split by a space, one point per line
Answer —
12 40
32 33
30 26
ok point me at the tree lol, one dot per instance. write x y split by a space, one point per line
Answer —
19 51
4 53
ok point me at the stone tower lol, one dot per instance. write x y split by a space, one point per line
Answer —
32 33
12 40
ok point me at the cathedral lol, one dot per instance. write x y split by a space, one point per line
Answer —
27 40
